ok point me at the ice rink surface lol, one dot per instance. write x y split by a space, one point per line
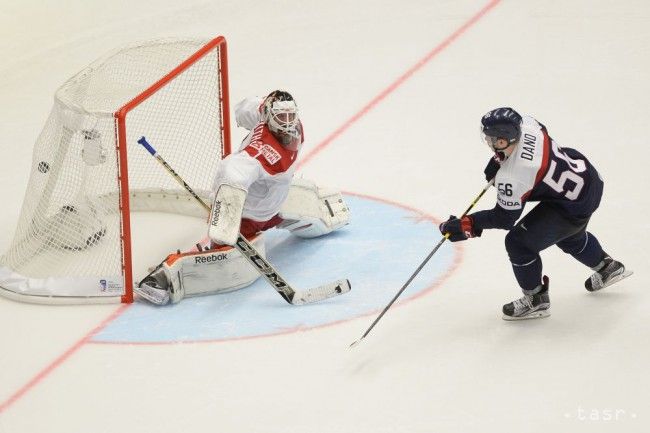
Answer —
391 94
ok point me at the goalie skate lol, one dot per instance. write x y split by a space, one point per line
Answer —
157 288
149 290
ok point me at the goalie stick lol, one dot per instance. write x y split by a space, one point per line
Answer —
417 271
291 295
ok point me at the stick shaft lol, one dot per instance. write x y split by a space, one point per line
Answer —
242 245
419 268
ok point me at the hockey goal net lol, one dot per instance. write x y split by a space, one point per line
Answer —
88 173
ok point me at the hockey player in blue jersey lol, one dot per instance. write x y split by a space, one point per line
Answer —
529 166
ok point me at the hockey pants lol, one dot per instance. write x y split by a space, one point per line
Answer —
543 226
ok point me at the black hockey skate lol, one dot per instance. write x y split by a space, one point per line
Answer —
154 287
529 306
609 272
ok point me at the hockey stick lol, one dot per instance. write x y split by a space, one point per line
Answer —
417 271
291 295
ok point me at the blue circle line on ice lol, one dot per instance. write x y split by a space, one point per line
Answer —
378 251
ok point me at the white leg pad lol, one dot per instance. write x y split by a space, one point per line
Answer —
210 272
225 214
310 211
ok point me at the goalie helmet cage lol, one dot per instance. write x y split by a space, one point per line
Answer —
73 243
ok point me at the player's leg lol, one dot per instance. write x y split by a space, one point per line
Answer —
607 272
527 267
539 229
585 248
250 228
542 227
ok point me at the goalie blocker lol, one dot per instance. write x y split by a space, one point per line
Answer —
308 211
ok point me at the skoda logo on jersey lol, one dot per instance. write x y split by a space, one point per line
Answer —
507 203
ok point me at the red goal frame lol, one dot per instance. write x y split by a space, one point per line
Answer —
120 116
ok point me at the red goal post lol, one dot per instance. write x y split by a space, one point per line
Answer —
73 243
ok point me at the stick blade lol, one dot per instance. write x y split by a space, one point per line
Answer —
316 294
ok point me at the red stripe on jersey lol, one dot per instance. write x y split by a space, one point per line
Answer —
266 149
543 168
545 158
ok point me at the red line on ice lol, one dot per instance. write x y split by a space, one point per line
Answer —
418 216
397 83
61 359
319 148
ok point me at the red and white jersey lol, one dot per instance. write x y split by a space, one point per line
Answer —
261 166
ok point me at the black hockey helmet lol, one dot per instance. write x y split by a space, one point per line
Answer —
280 95
503 123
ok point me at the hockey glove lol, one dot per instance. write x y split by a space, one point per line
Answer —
459 229
491 168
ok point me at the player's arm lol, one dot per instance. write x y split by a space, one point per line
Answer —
471 226
247 113
492 168
511 195
510 205
496 218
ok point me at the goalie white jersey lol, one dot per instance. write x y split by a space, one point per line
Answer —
253 191
262 166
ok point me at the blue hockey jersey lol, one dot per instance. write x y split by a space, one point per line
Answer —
539 170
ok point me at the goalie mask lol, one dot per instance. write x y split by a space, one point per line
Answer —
281 115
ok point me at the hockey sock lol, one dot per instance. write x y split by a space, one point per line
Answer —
586 250
604 262
528 275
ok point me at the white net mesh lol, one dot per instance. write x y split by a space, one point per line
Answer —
68 238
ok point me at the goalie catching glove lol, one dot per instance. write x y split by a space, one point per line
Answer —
311 211
459 229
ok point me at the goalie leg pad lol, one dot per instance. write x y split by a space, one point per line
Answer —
208 272
310 211
225 215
